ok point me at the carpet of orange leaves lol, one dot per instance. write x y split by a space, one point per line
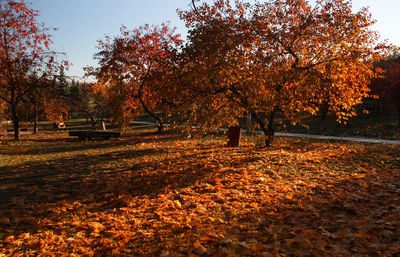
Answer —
166 196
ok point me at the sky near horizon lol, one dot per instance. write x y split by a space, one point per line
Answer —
81 23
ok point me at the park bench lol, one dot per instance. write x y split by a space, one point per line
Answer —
88 135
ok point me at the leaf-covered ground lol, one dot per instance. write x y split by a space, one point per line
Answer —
149 195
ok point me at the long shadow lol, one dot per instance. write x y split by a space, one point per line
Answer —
291 225
352 215
65 175
28 188
74 176
348 216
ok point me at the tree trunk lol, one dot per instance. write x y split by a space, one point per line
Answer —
35 126
160 126
248 123
35 119
267 127
398 113
15 122
92 119
269 132
159 120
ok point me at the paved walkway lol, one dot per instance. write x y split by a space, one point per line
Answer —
353 139
320 137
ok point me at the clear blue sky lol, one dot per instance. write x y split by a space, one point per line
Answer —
81 23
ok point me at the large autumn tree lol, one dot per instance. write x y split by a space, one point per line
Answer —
134 66
285 56
25 59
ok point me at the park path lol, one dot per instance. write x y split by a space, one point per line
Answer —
352 139
320 137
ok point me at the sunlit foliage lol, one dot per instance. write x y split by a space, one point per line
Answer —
134 67
25 59
284 56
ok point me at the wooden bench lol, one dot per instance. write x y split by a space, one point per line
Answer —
88 135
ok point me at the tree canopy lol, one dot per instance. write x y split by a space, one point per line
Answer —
279 56
134 66
25 58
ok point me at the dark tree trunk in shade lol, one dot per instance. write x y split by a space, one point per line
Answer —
267 126
15 123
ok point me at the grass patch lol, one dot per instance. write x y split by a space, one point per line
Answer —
384 126
372 125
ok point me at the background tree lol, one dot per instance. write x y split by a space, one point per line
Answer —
54 98
393 79
273 57
75 97
387 87
32 107
95 102
24 52
131 66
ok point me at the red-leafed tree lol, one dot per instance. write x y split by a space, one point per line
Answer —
134 67
285 56
25 59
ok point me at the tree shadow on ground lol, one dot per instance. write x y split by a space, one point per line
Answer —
75 176
96 181
354 216
357 213
313 215
62 175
